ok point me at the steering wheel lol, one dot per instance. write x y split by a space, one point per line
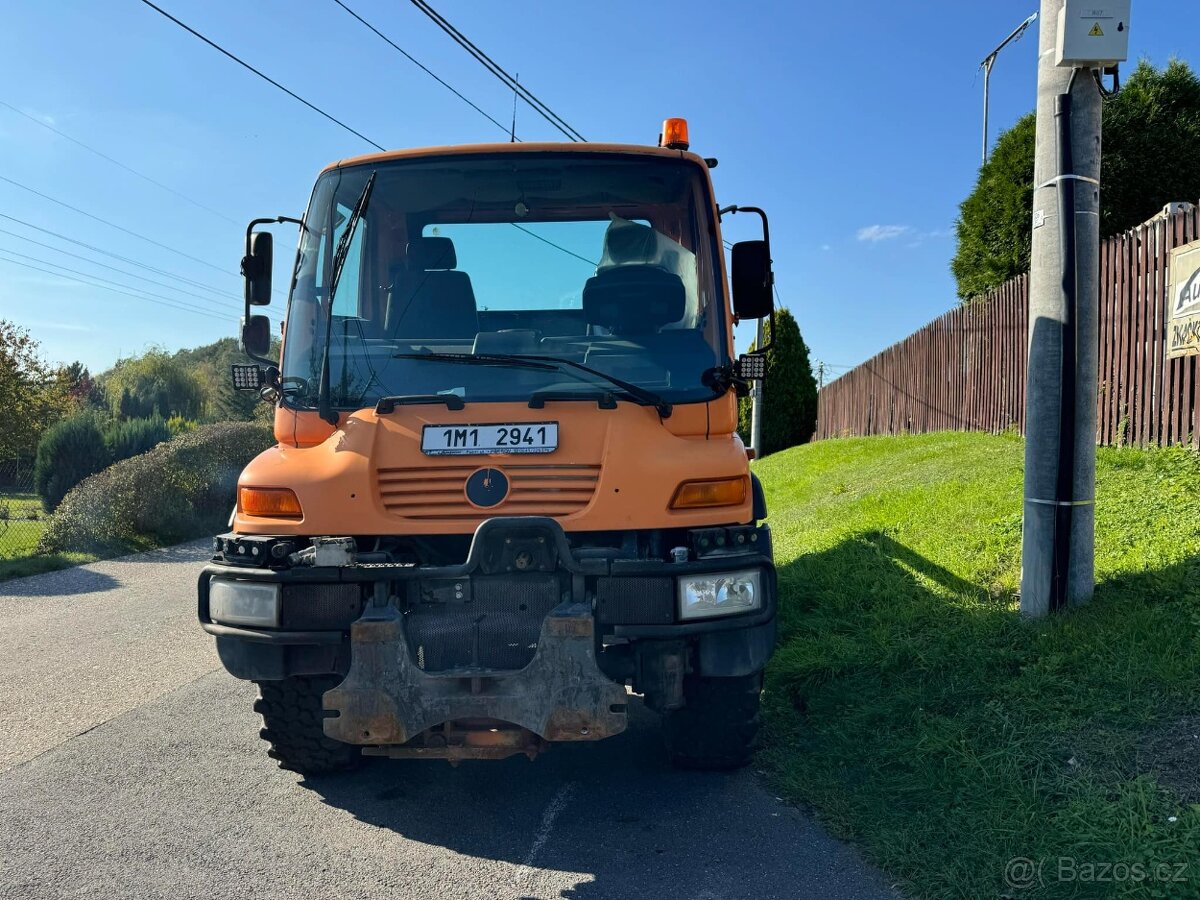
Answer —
294 384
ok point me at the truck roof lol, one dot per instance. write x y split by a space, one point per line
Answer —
520 147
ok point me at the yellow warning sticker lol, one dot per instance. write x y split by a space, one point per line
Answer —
1096 31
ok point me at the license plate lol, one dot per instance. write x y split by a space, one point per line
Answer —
466 440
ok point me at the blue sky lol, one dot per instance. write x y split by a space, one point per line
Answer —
856 125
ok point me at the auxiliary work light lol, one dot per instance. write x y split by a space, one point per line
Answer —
752 366
247 377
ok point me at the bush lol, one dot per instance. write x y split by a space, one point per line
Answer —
181 489
179 425
126 439
789 393
68 452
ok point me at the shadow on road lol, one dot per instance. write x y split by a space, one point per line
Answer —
614 815
66 582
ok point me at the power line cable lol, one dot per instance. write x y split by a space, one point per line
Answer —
124 259
590 262
488 63
241 62
140 237
148 299
433 14
117 163
170 287
421 66
179 304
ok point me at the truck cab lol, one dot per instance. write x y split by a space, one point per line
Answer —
508 489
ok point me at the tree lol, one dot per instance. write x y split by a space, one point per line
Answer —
188 386
69 452
134 436
995 224
1151 130
154 384
789 414
28 401
76 384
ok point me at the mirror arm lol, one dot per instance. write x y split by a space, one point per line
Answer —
770 274
770 337
247 262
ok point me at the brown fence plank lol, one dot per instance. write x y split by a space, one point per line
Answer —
966 369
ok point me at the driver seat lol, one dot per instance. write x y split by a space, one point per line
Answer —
428 298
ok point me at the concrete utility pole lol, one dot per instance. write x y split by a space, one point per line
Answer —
986 65
1058 553
756 400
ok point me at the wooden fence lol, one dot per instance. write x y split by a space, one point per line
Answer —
966 369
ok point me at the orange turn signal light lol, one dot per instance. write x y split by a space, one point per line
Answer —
711 492
674 134
269 503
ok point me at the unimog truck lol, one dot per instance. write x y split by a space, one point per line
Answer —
508 490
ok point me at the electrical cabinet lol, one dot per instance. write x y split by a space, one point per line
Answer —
1092 33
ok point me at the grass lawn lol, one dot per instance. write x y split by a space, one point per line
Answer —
22 521
915 711
21 524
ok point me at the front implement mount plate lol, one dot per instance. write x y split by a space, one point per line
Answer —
561 695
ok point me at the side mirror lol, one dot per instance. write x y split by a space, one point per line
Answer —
256 335
752 280
256 267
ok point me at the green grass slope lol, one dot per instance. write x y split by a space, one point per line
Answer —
911 706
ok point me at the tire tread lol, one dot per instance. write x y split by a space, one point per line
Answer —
717 727
293 726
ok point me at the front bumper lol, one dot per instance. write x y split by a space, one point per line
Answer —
601 630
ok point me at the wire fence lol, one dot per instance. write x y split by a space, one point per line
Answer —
22 518
966 369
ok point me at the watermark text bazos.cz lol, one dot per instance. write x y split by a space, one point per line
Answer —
1022 873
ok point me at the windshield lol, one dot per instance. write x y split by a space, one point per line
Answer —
602 261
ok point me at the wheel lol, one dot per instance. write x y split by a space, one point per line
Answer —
292 725
716 727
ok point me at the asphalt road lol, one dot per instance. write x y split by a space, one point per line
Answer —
130 767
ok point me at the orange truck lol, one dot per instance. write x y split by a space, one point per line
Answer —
508 490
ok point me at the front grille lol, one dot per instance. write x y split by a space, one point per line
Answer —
496 626
437 492
320 606
635 601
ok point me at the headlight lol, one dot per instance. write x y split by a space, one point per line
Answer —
721 594
243 603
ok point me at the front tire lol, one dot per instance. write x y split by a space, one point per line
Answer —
717 726
292 724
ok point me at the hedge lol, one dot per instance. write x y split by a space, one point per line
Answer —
134 436
69 451
181 489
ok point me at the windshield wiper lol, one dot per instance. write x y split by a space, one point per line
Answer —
324 407
638 393
548 363
479 359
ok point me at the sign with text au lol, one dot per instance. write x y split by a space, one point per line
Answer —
1183 309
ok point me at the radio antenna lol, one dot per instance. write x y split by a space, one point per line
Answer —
512 139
